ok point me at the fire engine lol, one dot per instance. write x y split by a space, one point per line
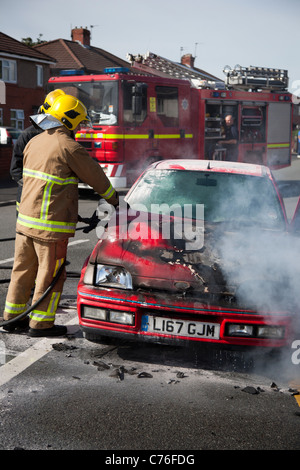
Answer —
151 112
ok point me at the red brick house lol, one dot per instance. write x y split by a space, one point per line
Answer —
24 73
78 54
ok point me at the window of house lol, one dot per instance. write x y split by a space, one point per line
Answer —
167 105
17 118
8 70
39 75
1 116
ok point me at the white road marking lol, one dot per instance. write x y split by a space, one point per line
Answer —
76 242
26 358
8 260
38 350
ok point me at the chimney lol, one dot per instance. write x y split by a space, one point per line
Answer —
188 60
82 35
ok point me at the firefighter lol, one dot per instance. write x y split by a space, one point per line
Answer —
231 139
16 167
48 212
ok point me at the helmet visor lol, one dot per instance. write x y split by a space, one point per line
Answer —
45 121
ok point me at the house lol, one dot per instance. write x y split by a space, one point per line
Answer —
24 73
157 65
78 54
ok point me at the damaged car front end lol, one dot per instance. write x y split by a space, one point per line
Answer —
195 255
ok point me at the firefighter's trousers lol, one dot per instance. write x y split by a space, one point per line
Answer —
35 264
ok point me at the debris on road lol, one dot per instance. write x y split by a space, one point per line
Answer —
251 390
145 375
63 347
274 387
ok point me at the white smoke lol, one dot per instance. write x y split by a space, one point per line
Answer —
265 268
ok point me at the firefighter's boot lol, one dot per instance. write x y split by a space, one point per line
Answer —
55 330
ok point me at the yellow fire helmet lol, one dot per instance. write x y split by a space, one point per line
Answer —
49 100
69 111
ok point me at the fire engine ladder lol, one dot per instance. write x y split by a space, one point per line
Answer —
256 78
153 64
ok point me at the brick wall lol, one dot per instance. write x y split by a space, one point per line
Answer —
21 98
82 35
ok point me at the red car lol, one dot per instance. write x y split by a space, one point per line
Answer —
192 255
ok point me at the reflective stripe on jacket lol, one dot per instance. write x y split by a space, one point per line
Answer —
53 163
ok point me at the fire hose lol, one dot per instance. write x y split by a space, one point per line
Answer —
91 224
33 306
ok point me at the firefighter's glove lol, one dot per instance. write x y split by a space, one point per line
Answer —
92 223
84 220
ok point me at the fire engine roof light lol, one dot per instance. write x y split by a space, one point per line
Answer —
116 70
71 72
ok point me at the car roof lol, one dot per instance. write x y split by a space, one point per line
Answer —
213 166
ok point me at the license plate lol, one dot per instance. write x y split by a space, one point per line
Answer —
169 326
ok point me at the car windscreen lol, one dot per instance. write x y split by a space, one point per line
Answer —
225 197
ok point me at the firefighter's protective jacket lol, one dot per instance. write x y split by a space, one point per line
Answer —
53 163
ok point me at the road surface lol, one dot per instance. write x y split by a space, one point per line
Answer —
71 394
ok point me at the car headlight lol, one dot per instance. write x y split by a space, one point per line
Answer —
107 276
255 331
236 329
112 276
107 315
275 332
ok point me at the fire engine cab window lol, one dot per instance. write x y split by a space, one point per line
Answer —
100 99
167 105
134 103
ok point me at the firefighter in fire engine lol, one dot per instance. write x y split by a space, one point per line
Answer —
230 141
48 212
16 167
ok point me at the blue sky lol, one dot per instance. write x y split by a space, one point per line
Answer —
257 32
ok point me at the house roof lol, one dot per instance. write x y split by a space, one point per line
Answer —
11 46
165 67
73 55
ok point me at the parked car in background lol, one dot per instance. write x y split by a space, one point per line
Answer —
9 135
198 255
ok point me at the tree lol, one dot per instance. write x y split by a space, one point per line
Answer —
29 42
